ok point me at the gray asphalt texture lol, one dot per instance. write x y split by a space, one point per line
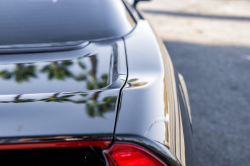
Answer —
209 44
218 82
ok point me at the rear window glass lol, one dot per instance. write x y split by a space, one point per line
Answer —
52 21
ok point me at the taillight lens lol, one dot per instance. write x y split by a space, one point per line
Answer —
122 154
55 144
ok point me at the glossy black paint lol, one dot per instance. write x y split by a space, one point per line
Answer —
39 48
53 21
44 138
124 89
61 93
151 105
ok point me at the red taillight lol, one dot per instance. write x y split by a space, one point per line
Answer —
121 154
55 144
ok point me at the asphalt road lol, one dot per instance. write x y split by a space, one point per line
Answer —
211 48
218 82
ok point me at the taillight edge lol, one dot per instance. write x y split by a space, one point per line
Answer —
111 161
55 144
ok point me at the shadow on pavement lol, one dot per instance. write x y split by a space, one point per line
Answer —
184 14
217 79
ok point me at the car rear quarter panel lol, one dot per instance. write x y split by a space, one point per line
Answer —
150 105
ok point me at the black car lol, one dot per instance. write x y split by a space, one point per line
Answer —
87 82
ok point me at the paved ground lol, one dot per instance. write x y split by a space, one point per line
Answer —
209 43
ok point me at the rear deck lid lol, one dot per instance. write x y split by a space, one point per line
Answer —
61 93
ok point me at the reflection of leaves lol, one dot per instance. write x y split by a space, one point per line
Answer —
133 80
84 94
4 102
21 73
58 70
98 109
91 85
110 99
81 77
93 107
6 74
78 101
63 98
57 99
18 100
105 77
81 64
24 101
90 110
97 84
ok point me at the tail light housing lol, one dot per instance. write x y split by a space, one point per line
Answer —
72 152
123 154
120 154
55 144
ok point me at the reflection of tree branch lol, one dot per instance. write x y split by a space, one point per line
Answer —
93 60
93 106
24 101
18 100
54 98
17 97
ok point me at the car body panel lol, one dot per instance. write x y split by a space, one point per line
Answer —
122 90
150 104
62 93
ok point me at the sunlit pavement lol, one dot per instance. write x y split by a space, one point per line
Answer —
209 43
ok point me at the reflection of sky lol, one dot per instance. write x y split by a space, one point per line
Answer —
41 84
52 21
64 118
